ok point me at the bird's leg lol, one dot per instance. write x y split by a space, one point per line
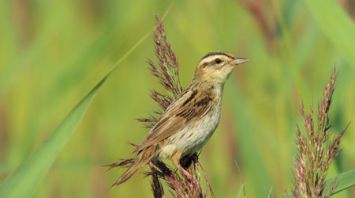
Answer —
153 167
160 166
176 161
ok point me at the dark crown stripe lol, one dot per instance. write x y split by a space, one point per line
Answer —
217 53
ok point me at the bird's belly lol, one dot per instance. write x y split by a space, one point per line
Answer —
191 138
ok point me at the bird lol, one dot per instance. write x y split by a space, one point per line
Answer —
188 122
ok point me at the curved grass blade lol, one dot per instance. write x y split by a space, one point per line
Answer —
339 183
25 180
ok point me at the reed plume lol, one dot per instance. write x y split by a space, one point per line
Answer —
317 147
166 70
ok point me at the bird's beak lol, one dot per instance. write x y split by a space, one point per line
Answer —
238 61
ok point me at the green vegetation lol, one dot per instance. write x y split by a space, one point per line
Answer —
53 53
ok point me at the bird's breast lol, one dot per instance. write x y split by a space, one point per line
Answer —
195 135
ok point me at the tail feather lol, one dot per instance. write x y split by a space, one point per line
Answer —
128 174
143 159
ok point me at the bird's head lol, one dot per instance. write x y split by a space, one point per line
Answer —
217 66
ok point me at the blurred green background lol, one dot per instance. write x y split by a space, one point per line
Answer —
53 52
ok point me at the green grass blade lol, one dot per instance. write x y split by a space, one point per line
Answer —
339 183
25 180
241 192
255 168
336 25
342 182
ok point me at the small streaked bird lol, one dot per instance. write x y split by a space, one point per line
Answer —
188 123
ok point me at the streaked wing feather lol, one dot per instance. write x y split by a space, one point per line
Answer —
187 109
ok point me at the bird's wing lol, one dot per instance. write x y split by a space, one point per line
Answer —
190 107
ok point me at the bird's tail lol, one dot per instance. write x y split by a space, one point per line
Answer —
134 165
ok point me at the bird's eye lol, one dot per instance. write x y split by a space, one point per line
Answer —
218 61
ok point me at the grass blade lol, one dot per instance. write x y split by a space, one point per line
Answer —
336 25
255 168
341 182
241 192
25 180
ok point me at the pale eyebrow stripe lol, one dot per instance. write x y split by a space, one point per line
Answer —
217 53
